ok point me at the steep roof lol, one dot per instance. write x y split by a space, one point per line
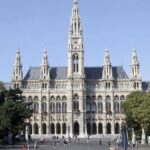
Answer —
146 85
60 73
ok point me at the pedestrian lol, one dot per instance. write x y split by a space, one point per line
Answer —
100 142
109 143
35 146
136 143
55 145
23 147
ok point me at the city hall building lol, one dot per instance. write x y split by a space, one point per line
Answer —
76 100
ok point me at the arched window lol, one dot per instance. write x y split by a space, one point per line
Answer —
36 128
108 106
88 98
100 128
64 107
99 97
52 98
88 128
58 107
64 128
116 106
36 107
44 98
30 98
44 128
107 97
93 97
58 128
100 106
117 128
88 107
52 127
35 98
116 97
75 63
122 97
58 98
94 127
52 107
64 98
76 103
44 107
93 107
108 128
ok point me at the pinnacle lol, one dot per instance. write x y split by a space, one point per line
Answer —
45 50
18 50
75 1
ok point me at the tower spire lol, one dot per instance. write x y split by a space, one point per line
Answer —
45 69
75 28
135 65
75 1
107 57
17 76
45 58
75 44
135 71
107 68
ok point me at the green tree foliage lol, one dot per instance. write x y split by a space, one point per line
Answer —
137 110
13 112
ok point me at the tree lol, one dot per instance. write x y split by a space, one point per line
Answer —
136 109
13 112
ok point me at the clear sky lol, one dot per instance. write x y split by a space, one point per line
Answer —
33 25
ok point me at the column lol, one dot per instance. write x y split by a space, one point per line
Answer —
69 108
81 108
113 113
48 118
104 114
40 117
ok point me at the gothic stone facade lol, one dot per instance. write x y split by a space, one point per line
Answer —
76 99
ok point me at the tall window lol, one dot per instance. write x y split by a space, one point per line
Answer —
93 107
64 107
100 106
58 107
36 107
75 63
108 106
116 106
52 107
44 107
76 103
88 107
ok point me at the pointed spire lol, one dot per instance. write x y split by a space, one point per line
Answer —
107 57
75 12
45 58
18 58
17 68
75 1
134 57
45 69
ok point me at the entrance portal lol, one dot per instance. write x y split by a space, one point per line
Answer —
76 128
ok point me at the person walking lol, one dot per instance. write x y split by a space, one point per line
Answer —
23 147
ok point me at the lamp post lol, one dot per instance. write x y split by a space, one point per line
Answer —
124 136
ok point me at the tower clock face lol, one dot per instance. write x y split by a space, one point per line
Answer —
75 44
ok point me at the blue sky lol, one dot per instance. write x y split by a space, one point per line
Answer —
33 25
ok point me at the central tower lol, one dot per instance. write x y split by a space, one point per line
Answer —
75 76
75 45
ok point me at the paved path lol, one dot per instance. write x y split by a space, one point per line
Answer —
93 144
